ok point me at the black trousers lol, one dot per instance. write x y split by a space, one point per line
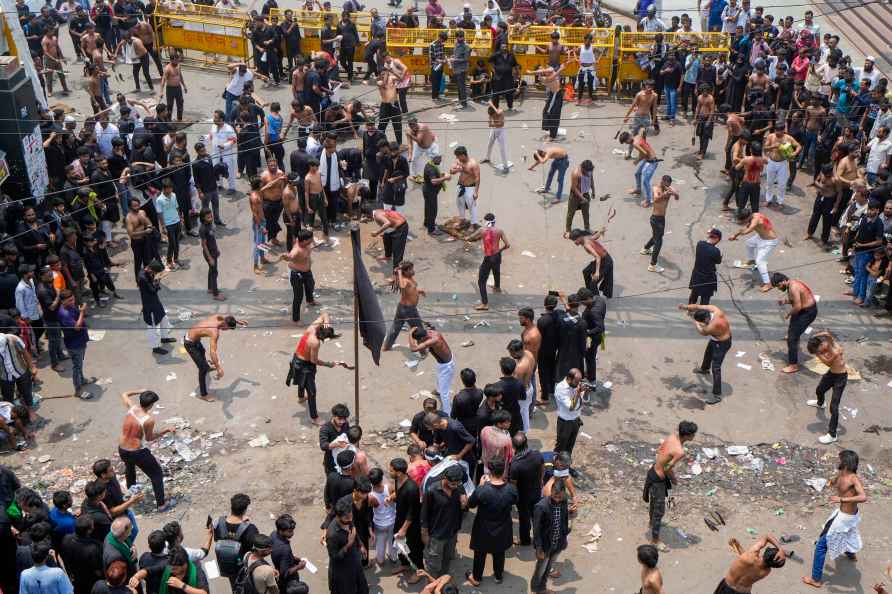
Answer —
822 211
98 281
798 323
213 275
140 256
390 113
688 91
700 294
551 113
271 213
748 192
301 283
591 357
547 364
712 360
498 564
657 509
23 386
436 82
278 151
407 314
490 264
461 83
317 203
733 191
430 210
655 243
604 285
173 242
175 96
503 88
416 548
332 199
150 47
566 435
145 461
525 520
395 243
143 65
197 353
346 60
836 381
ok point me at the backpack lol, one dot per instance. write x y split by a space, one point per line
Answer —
244 582
227 546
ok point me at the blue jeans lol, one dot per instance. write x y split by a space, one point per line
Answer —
871 178
77 366
558 166
135 526
671 94
808 145
859 265
230 101
643 176
817 566
259 230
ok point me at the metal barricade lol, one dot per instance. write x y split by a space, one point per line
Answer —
525 41
202 34
635 47
411 45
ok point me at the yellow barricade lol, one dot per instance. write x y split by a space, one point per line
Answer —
631 45
312 21
480 41
203 29
525 42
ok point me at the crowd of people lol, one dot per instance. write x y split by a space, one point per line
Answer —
787 95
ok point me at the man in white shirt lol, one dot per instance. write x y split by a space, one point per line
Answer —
567 396
884 118
17 370
745 15
880 148
222 140
236 86
26 300
730 15
330 174
651 23
105 133
869 72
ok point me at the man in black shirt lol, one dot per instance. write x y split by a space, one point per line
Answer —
371 150
339 482
290 32
48 297
504 69
182 573
394 178
249 144
421 435
76 27
571 339
547 359
210 251
227 528
407 524
431 187
82 556
467 402
593 318
670 74
491 403
527 470
512 393
266 50
868 238
456 442
344 558
73 266
441 512
8 282
349 40
282 556
330 431
206 181
153 313
704 282
94 507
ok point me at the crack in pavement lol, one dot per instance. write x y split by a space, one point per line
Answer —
749 321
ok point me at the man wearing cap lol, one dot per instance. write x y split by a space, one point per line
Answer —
868 72
704 282
260 571
650 23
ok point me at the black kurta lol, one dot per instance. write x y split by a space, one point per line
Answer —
571 344
492 531
345 575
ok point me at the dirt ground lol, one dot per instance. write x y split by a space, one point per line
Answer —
651 349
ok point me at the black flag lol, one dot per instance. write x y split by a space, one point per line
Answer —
372 326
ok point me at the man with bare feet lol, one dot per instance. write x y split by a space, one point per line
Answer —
748 173
468 171
423 144
137 432
712 322
424 341
704 115
734 124
395 230
273 182
780 148
560 162
662 194
523 371
258 225
389 111
661 475
803 312
53 60
840 534
300 272
531 338
317 201
760 245
651 578
494 243
598 274
302 372
644 105
210 328
827 349
647 165
550 77
173 85
407 308
751 565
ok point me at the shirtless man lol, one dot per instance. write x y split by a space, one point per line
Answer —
292 214
210 328
316 198
526 365
174 85
802 314
300 272
748 171
137 431
844 175
258 224
273 182
644 106
778 171
827 349
840 534
305 360
598 274
756 85
136 54
815 116
530 335
494 243
651 578
661 475
711 322
751 565
407 308
93 84
139 230
53 60
143 30
560 161
554 97
582 190
389 110
90 41
395 229
468 184
423 144
663 192
734 125
760 245
704 116
647 161
423 341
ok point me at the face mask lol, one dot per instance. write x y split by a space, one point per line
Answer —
561 473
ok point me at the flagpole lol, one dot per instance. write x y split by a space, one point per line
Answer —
355 227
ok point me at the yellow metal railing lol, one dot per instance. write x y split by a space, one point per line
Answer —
203 29
480 41
570 36
633 44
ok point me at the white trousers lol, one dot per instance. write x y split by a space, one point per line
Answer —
445 373
464 200
498 135
525 406
157 332
420 156
230 161
758 249
776 174
384 544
